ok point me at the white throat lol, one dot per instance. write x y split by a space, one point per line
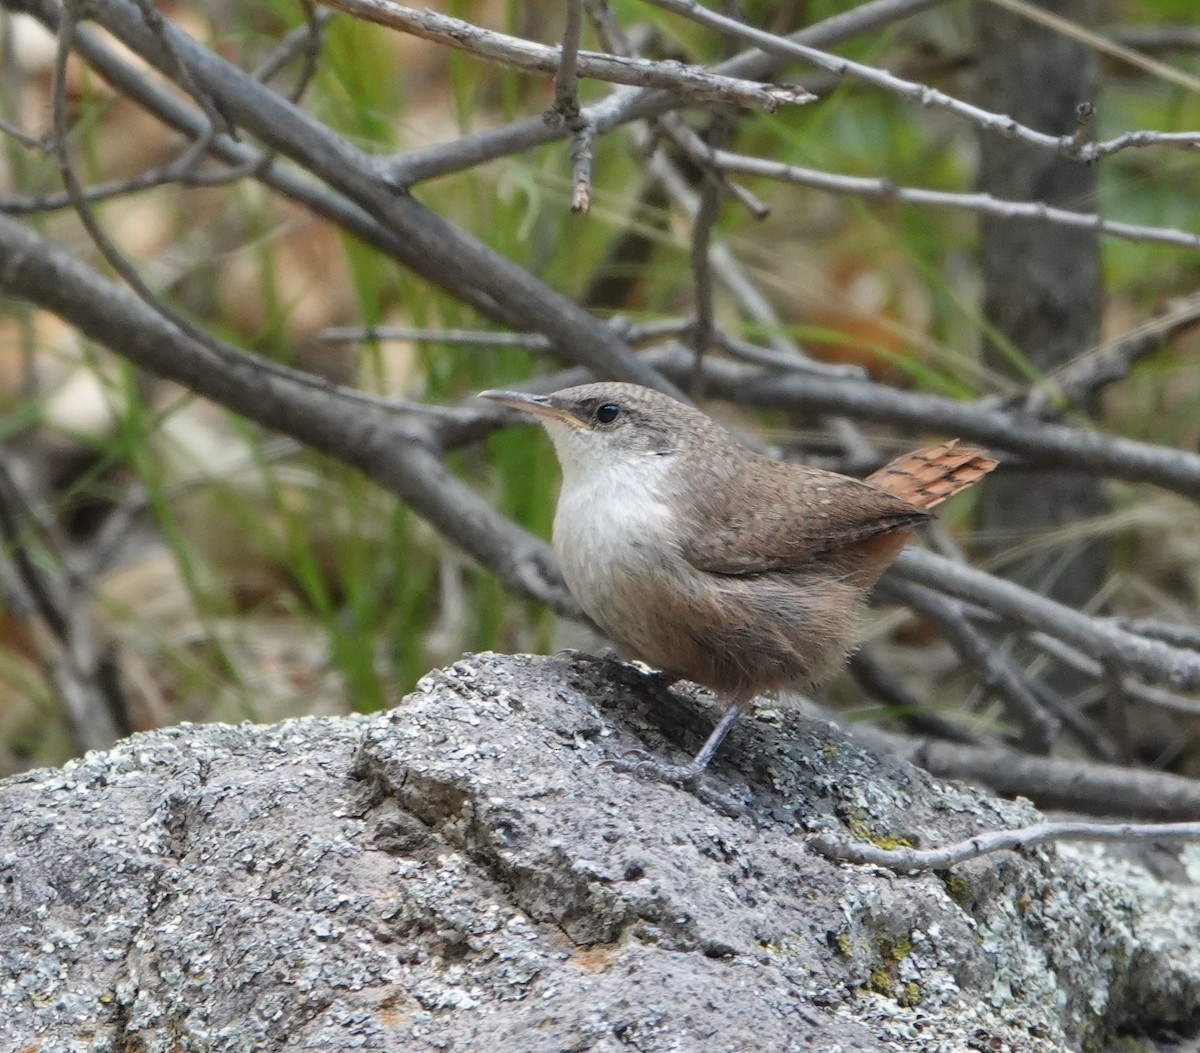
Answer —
612 510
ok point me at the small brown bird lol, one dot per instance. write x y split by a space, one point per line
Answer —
715 563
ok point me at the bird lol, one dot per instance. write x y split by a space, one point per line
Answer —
713 562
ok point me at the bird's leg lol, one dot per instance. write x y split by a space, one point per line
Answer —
713 742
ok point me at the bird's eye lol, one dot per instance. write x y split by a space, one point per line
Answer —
607 413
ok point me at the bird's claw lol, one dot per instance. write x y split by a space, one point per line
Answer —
643 765
646 766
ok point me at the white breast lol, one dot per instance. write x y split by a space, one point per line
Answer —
606 525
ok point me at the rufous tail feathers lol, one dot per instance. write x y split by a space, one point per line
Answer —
927 477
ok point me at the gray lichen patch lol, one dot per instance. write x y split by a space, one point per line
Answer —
466 873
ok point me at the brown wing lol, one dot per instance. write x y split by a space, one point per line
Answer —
783 517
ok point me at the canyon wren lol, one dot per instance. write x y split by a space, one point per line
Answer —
712 562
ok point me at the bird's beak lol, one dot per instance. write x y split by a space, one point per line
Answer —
537 405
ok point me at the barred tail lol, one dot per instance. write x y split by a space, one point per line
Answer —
927 477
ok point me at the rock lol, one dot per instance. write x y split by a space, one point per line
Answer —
464 874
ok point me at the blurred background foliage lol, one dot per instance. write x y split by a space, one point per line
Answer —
240 577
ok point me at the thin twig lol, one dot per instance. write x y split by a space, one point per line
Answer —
566 110
905 859
981 204
635 334
34 142
1176 635
693 82
177 66
306 41
1135 689
923 94
702 279
905 707
1078 380
58 615
771 358
19 520
700 153
163 176
1176 36
634 104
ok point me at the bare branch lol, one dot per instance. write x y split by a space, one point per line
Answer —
418 237
566 110
1157 661
34 142
399 455
985 421
175 66
917 716
306 41
1097 789
995 669
634 104
635 335
181 171
1078 380
769 357
700 154
922 94
906 859
697 84
57 612
1152 696
702 283
1176 635
1168 37
982 204
1140 140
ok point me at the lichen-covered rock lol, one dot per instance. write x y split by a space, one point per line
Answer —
465 873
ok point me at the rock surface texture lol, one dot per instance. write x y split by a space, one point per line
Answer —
464 874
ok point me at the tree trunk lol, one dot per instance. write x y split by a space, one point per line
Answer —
1042 291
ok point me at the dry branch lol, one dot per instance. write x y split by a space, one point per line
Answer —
693 82
906 859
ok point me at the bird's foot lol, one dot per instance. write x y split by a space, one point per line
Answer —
646 766
687 777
